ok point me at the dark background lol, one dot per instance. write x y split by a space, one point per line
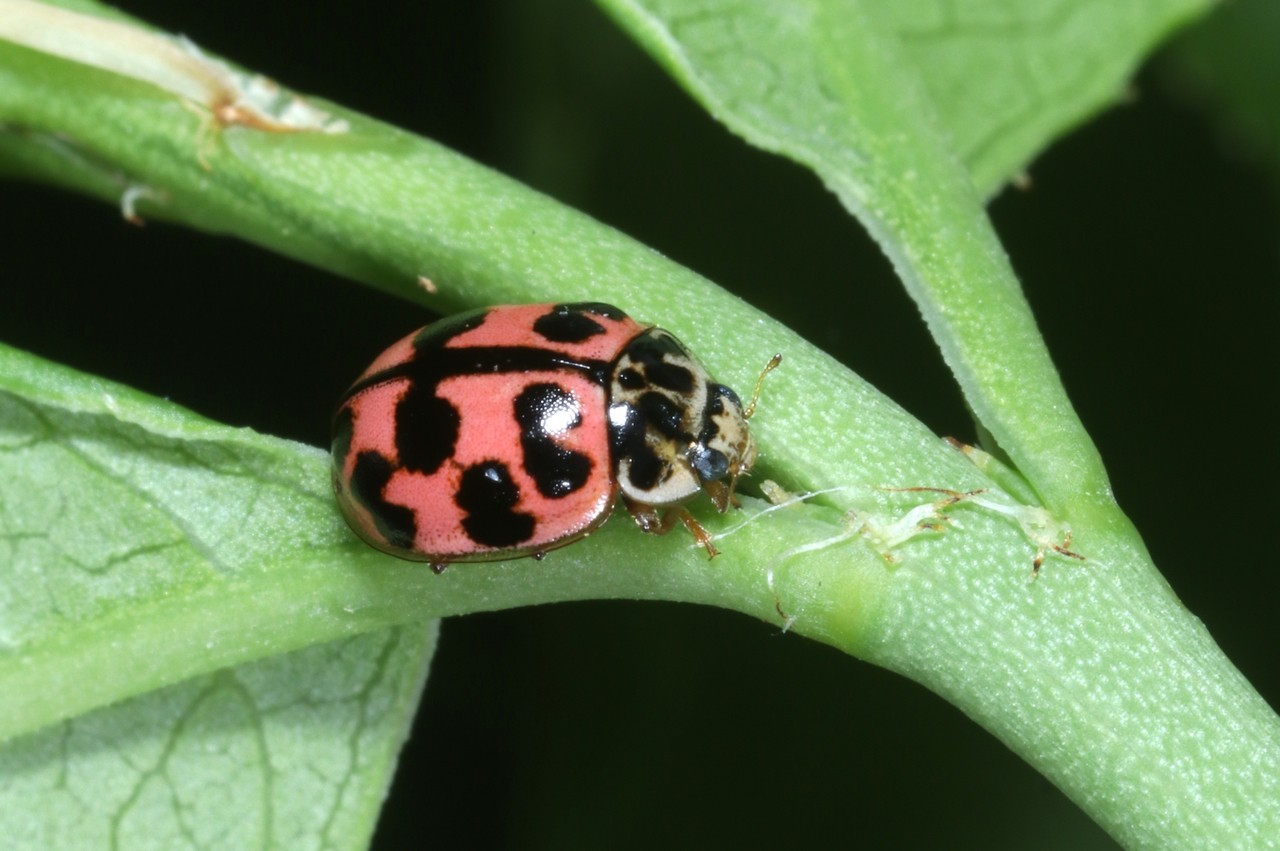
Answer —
1148 252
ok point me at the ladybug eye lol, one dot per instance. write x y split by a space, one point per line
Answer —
708 463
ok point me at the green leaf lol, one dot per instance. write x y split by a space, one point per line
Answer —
143 546
1006 79
147 533
295 751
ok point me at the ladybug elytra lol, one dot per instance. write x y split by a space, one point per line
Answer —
510 431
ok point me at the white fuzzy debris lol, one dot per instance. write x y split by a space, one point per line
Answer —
129 198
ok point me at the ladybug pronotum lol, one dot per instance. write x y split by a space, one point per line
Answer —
510 431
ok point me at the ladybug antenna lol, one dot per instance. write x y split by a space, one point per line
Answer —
755 394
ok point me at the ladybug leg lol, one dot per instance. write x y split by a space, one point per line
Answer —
701 535
722 495
657 521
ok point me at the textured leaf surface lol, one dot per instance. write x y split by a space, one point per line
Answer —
139 545
1002 80
298 747
1008 78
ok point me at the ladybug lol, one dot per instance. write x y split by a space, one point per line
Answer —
510 431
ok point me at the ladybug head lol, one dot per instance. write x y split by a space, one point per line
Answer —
674 430
724 448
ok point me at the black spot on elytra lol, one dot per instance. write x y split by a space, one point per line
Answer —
566 324
488 495
431 366
434 359
556 471
426 429
395 522
597 308
343 428
440 332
